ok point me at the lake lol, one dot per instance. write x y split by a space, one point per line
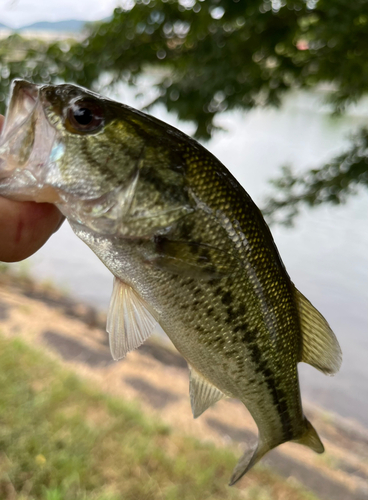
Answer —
325 253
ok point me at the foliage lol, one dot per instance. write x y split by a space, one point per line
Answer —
333 183
212 55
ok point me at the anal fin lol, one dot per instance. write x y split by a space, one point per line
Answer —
129 322
320 346
202 393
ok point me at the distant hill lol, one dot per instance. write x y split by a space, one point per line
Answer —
71 25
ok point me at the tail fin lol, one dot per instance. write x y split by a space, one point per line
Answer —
250 458
310 438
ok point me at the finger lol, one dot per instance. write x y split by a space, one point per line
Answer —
25 227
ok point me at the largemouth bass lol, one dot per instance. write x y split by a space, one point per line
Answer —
186 244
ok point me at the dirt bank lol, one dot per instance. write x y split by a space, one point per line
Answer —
157 376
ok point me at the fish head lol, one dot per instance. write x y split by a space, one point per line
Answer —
103 164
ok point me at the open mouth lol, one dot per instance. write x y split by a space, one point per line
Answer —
25 145
24 98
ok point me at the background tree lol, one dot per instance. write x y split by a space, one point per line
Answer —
217 55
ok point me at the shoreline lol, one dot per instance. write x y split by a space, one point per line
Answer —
156 375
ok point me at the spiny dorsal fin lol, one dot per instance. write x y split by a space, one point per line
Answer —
129 322
320 346
202 393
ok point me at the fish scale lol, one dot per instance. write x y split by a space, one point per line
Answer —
226 329
187 246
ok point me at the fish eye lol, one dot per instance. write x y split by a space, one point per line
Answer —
85 115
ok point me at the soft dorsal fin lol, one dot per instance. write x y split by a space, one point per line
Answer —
320 346
129 322
202 393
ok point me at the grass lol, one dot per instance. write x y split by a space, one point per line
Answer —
4 267
20 272
60 439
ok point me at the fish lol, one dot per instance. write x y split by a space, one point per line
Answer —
188 248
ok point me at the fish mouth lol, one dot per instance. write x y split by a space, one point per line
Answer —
24 97
23 100
25 145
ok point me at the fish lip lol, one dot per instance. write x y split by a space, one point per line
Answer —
30 90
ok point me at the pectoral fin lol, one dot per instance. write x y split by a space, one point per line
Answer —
129 321
192 259
320 346
202 393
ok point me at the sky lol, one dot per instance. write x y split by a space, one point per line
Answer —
17 13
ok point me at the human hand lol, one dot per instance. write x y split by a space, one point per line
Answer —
25 226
